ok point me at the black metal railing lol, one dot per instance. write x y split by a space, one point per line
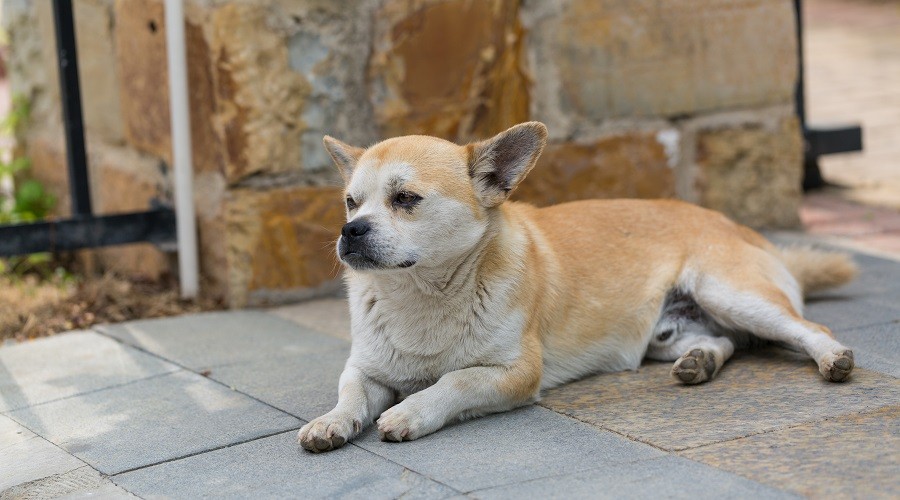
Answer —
83 229
819 140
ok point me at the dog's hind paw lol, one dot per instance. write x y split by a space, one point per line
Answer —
695 367
837 366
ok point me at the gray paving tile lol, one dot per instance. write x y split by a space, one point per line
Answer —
152 420
208 340
81 483
844 313
275 467
515 446
875 347
304 385
757 391
665 477
25 456
330 316
68 364
854 456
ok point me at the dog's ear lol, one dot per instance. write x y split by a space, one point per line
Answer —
498 164
344 155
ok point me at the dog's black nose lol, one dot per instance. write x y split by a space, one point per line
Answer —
355 229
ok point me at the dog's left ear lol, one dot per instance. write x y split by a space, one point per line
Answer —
498 164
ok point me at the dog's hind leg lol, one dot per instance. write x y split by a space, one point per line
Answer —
698 354
761 297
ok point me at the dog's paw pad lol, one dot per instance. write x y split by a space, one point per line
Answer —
838 366
325 434
695 367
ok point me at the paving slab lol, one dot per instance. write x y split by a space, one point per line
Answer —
846 313
302 385
665 477
875 347
329 316
276 467
854 456
25 456
68 364
520 445
209 340
81 483
152 420
757 391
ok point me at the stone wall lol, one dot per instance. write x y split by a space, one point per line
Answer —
643 98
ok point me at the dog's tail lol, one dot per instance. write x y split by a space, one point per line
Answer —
817 270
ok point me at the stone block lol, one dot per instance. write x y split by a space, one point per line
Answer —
152 420
260 99
803 460
752 172
47 153
280 243
123 180
97 67
598 60
276 467
517 446
449 68
70 364
756 392
619 166
43 458
668 477
140 43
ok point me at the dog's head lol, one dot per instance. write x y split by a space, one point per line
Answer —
423 201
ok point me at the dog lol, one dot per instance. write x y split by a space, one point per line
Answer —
463 303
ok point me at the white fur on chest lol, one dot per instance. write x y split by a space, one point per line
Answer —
407 340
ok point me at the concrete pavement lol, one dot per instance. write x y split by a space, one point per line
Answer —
208 405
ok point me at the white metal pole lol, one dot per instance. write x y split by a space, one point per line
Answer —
181 149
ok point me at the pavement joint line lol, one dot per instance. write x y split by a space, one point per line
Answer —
85 464
618 433
405 467
85 393
789 427
201 452
208 377
679 450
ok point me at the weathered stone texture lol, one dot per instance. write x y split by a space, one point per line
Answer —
624 165
448 68
281 241
594 60
752 172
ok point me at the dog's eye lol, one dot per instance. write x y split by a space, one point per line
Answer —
351 203
405 199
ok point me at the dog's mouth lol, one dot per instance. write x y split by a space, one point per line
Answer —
361 261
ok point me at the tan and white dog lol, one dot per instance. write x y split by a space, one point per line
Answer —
464 304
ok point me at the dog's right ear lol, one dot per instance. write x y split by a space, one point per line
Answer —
344 155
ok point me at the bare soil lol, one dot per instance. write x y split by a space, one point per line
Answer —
32 307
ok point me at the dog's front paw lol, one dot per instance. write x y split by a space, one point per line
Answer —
404 423
327 433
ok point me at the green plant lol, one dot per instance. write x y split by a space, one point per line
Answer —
23 199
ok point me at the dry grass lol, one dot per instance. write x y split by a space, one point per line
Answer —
31 307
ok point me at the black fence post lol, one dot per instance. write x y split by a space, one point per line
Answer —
70 93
